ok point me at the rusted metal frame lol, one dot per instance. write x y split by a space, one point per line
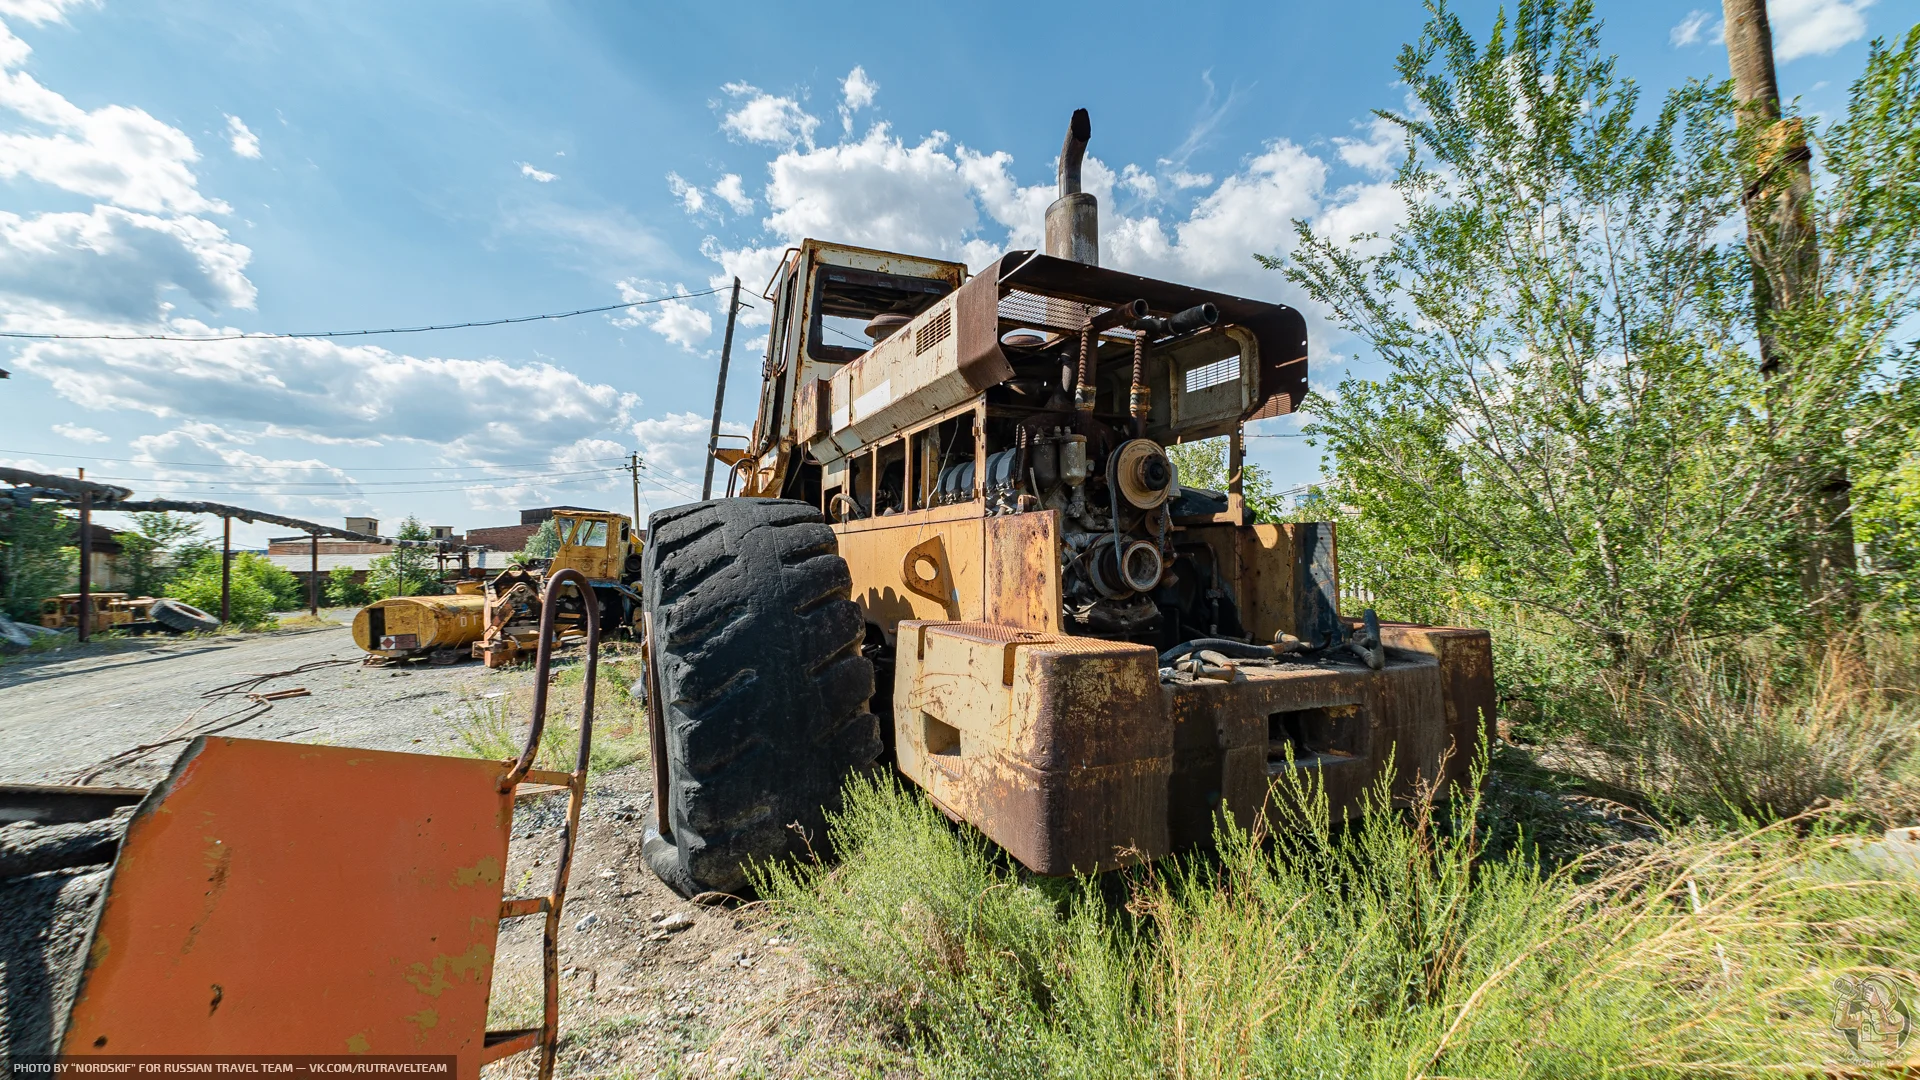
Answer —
50 804
656 732
86 560
546 1037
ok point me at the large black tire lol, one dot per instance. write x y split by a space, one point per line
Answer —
182 618
761 689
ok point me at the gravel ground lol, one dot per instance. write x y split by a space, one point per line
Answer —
61 713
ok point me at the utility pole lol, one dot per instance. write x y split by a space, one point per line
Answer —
313 574
85 627
720 391
226 569
1786 271
633 466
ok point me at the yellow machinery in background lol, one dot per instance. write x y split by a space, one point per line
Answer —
438 627
602 547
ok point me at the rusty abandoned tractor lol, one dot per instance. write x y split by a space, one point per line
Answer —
603 549
971 529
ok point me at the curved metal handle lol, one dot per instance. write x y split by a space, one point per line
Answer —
543 664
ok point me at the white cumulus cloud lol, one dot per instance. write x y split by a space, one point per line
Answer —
692 199
329 391
40 12
81 434
119 264
244 142
540 176
732 191
1815 27
767 118
116 153
857 91
1690 30
676 320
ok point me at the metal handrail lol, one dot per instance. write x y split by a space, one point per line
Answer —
520 772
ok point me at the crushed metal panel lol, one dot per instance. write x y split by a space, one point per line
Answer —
284 898
1023 571
1057 748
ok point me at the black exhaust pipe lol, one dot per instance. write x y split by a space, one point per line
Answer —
1197 317
1073 220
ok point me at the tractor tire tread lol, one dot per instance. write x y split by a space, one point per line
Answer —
763 690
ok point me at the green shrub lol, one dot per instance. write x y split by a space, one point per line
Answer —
343 590
257 588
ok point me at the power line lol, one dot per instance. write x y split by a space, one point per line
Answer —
391 468
234 482
350 333
330 494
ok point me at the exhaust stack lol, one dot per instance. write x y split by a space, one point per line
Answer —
1073 220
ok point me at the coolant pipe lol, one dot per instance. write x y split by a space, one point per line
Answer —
1233 650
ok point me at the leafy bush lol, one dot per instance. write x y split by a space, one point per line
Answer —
343 590
257 588
1573 444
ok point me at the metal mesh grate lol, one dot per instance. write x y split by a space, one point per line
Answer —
1213 374
1046 312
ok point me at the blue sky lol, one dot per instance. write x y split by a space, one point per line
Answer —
185 167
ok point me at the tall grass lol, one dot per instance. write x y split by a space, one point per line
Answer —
1758 731
495 726
1389 948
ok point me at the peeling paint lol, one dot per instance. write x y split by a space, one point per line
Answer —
433 981
487 871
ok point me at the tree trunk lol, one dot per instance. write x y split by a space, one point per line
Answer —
1786 271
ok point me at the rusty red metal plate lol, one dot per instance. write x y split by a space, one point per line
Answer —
282 898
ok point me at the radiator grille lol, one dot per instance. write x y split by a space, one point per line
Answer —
934 332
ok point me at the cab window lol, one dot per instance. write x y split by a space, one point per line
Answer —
844 299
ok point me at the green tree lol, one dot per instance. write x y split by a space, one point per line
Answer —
1574 443
1203 464
409 571
543 544
159 546
37 556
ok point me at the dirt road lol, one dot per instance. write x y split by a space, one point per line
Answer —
62 713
